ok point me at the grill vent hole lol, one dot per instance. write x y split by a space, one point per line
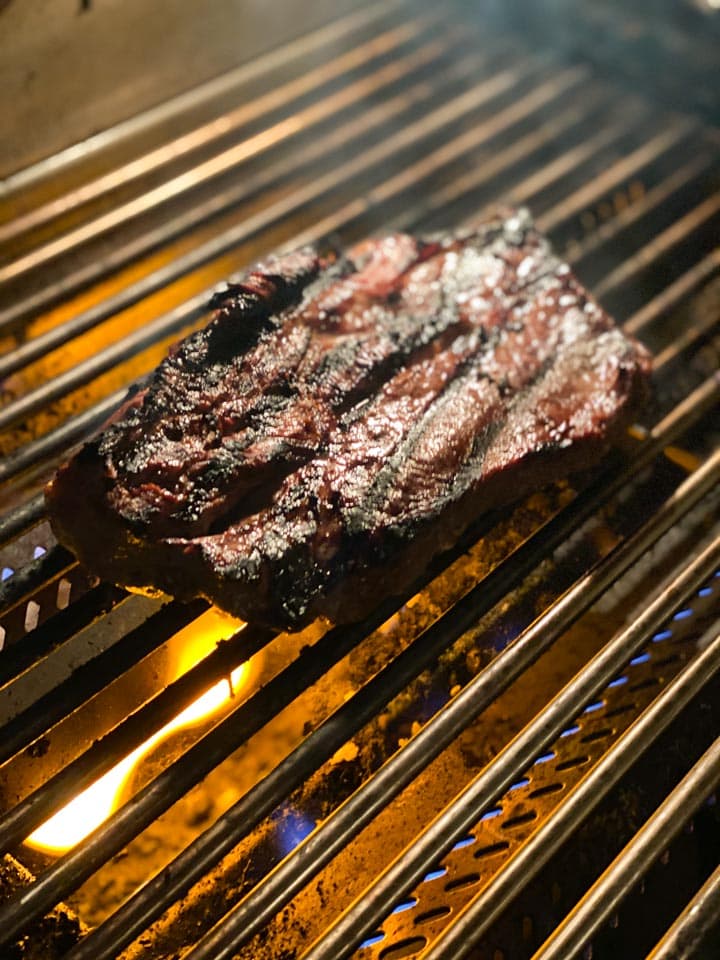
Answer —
623 708
549 788
404 949
491 850
645 684
572 762
597 735
433 914
466 881
520 820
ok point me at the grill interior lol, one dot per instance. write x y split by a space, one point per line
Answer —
520 758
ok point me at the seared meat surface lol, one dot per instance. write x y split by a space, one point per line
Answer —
343 418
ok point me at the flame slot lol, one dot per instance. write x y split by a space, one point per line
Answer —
87 811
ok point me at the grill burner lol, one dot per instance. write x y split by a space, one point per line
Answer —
521 759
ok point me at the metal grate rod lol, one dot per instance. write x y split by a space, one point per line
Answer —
695 923
72 869
385 112
618 173
605 895
679 230
227 124
215 88
410 867
271 894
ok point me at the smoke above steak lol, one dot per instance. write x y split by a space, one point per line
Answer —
344 417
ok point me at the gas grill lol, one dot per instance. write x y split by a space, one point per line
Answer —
519 758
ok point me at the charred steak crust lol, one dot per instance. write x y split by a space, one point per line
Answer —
343 418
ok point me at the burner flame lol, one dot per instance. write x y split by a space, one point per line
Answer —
89 809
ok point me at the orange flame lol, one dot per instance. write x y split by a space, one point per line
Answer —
90 808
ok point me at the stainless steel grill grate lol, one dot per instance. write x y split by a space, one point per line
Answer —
413 782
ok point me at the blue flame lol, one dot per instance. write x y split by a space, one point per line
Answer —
465 842
406 905
291 829
570 731
372 939
683 614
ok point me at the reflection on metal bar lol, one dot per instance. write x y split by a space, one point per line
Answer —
699 919
160 892
196 176
71 870
222 126
76 376
615 175
550 172
605 895
654 199
393 186
22 819
408 869
470 924
340 139
192 310
679 230
673 295
272 893
199 96
60 439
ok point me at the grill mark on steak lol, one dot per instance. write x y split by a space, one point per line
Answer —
394 393
350 331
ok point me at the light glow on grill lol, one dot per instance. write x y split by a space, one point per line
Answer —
89 809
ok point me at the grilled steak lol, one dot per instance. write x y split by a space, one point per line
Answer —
343 418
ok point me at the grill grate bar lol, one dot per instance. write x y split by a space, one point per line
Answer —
400 878
169 323
162 115
679 230
673 295
59 440
152 899
606 894
229 123
420 92
550 172
620 171
209 170
19 822
73 868
584 797
654 199
691 928
52 563
221 201
88 679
